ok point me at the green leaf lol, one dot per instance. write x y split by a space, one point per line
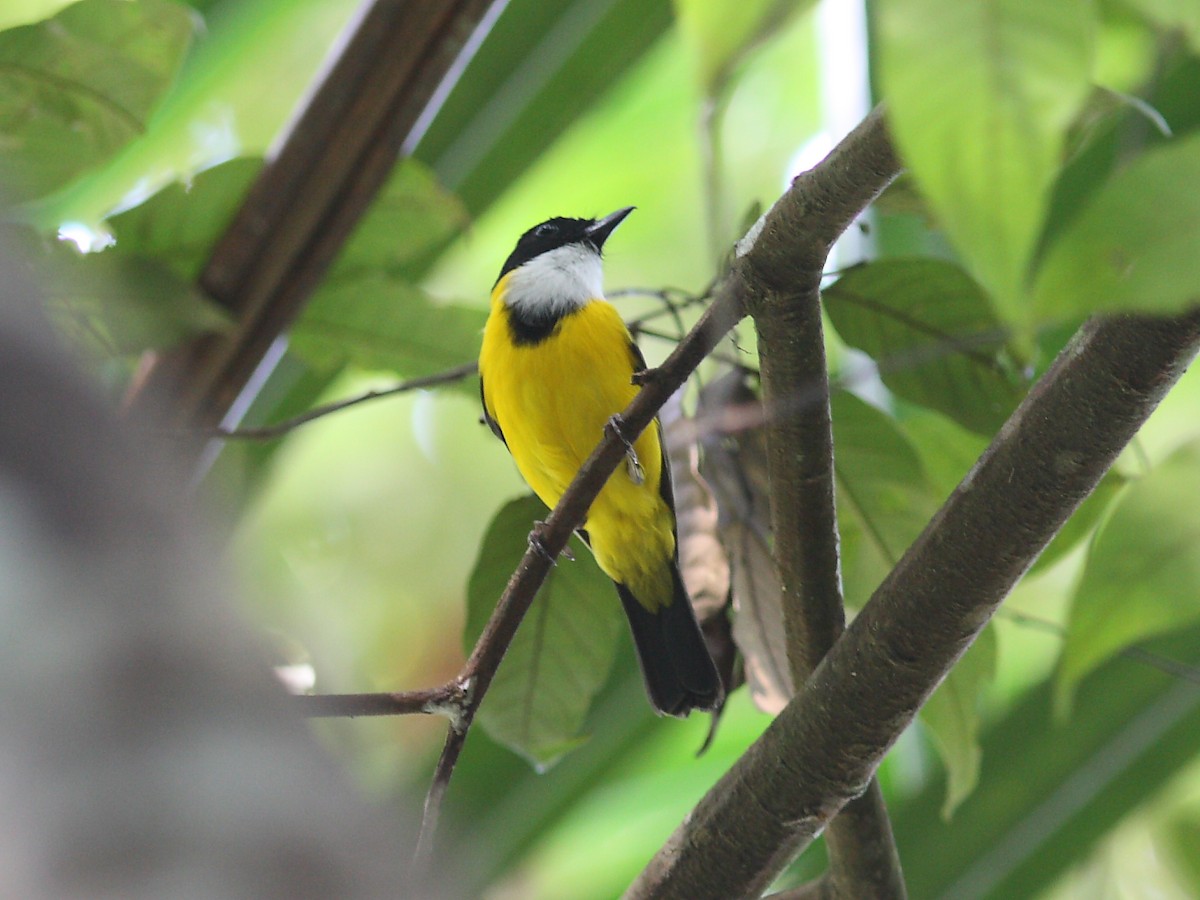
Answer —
722 32
251 66
1183 15
541 66
1142 576
1133 247
947 453
77 87
119 306
934 335
1050 790
179 225
884 499
981 96
1083 521
412 217
946 449
377 322
952 716
22 12
1182 839
564 649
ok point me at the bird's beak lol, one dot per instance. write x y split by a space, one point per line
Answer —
599 230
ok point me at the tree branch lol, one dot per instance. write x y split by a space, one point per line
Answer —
280 429
445 700
309 196
786 307
824 747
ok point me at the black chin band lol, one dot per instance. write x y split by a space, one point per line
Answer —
529 329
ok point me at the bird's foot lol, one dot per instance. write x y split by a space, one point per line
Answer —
643 377
632 464
538 546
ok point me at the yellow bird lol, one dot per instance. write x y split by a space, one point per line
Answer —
555 369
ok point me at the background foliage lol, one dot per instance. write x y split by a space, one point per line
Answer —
1052 167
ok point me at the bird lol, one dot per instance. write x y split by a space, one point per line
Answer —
556 369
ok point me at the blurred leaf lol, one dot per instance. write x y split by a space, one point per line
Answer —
1133 246
541 66
952 716
120 306
1049 790
980 98
946 449
179 225
1183 15
1116 139
884 499
412 216
947 453
734 463
902 197
1182 839
77 87
1143 572
933 334
22 12
377 322
251 64
1082 522
723 32
562 653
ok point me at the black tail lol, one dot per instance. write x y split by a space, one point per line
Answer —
679 672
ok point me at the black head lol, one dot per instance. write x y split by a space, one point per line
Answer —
560 231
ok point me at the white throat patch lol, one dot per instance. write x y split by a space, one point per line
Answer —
556 282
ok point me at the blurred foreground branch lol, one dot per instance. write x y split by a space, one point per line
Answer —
145 748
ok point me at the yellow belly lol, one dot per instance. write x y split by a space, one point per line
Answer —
551 401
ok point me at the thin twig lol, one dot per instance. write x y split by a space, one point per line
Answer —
715 355
446 700
456 738
279 429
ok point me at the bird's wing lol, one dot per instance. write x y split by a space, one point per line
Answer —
664 481
491 423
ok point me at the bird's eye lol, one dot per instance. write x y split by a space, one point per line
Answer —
545 229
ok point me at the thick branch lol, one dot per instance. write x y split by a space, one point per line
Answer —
787 315
335 158
825 745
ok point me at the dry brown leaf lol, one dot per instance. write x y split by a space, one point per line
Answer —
734 465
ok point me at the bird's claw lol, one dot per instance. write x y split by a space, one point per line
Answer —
538 546
643 377
632 464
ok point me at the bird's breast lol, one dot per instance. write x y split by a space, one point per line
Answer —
553 398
